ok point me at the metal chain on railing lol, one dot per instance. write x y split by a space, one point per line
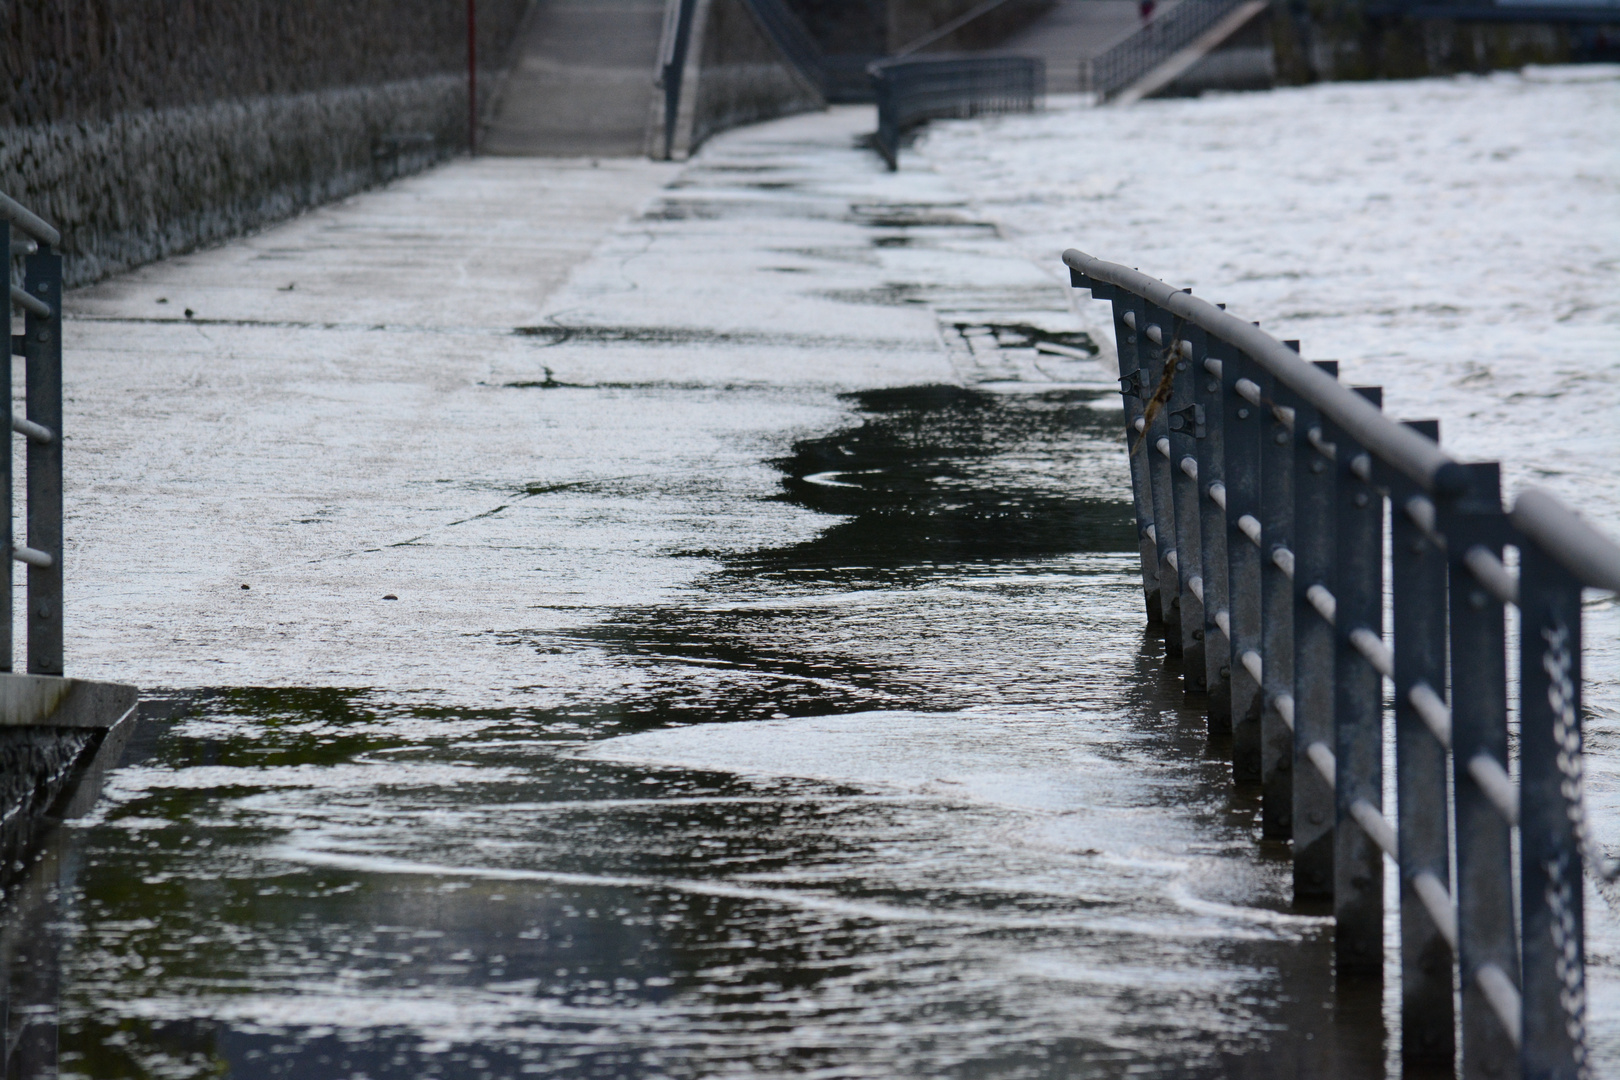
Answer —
1558 663
1561 696
1567 965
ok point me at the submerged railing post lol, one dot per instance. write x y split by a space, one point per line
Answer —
1181 419
1134 392
1428 917
1315 496
1243 422
42 279
1277 615
7 616
1550 855
1157 452
1487 955
1358 712
1211 488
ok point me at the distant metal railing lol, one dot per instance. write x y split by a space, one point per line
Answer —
910 91
40 346
1265 491
1129 60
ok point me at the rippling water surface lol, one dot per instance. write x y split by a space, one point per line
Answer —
878 773
908 853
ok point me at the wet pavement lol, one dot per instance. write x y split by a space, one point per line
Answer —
640 622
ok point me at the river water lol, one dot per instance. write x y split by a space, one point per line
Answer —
820 733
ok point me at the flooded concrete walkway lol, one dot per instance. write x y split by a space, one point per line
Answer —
640 621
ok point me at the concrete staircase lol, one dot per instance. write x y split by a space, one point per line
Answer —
583 83
1074 32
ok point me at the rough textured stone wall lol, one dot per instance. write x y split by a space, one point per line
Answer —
94 59
144 128
150 183
36 764
1322 39
742 78
1302 41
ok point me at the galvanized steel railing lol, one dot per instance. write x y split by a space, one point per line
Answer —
1265 491
40 346
910 91
1132 58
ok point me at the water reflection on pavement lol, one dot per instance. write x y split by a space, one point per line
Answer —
914 797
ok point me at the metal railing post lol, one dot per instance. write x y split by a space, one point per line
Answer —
1550 855
1358 712
1248 423
1428 915
1484 888
912 90
1134 391
1181 417
672 72
42 279
1315 496
1277 616
7 616
887 138
1156 452
1244 422
1212 532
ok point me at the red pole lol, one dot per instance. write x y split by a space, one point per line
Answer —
472 76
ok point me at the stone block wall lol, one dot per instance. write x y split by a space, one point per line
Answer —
145 128
37 765
1323 39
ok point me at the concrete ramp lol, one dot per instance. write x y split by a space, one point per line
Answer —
583 83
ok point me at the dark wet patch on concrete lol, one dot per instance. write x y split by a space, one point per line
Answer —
682 335
1020 335
931 483
919 483
886 295
917 216
847 255
703 209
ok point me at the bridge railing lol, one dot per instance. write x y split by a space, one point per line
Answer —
24 236
913 90
1276 508
1133 57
